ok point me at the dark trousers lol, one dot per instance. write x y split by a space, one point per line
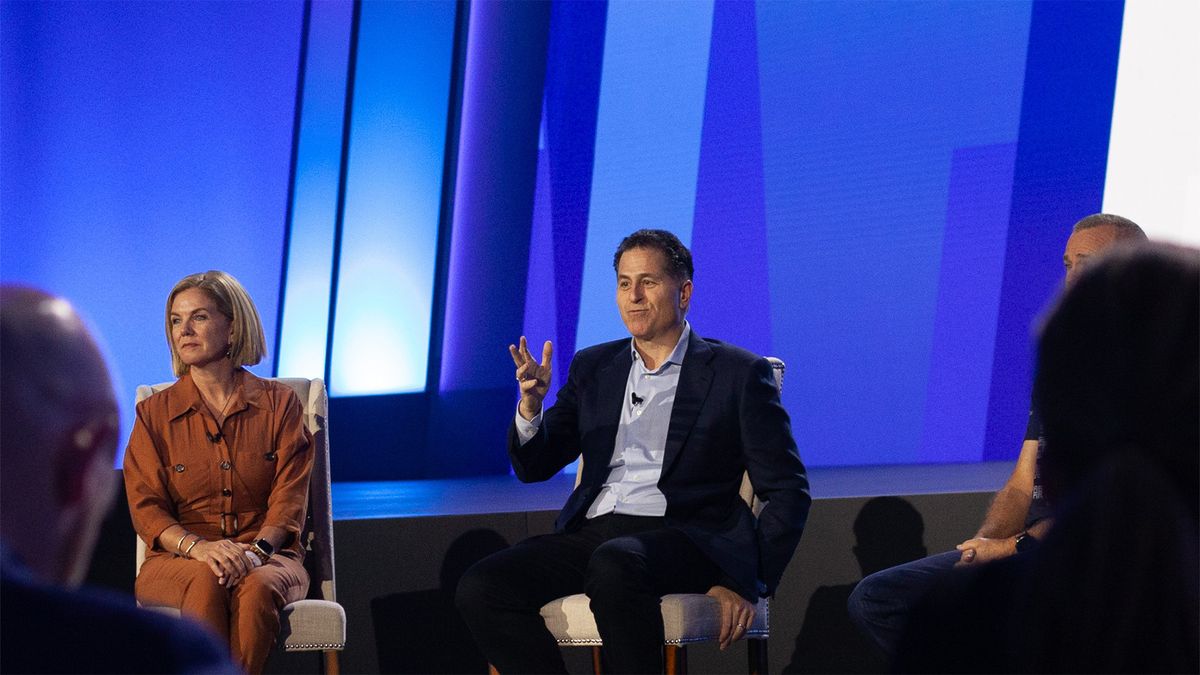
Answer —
623 563
882 603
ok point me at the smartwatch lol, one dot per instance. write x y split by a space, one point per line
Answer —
263 549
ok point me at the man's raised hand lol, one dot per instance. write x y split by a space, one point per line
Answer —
533 377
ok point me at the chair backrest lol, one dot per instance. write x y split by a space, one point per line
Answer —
318 526
747 490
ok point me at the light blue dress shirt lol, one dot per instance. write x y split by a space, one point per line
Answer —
632 484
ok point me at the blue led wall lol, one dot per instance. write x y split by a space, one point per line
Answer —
878 193
143 142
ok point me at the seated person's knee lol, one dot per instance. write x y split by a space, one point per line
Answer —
611 567
206 588
255 589
472 589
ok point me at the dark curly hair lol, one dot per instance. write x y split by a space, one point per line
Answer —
679 258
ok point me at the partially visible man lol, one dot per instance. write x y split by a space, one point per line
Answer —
667 424
58 438
1019 516
1113 589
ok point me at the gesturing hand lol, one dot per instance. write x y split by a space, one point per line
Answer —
226 559
736 615
534 377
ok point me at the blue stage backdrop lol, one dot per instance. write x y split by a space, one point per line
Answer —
143 142
878 193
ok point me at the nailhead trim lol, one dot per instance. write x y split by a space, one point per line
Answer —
590 642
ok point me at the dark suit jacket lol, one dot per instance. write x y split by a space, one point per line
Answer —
727 419
52 630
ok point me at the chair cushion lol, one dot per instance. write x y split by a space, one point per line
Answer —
687 617
310 625
165 611
304 626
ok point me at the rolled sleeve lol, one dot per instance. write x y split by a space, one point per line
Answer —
288 501
150 507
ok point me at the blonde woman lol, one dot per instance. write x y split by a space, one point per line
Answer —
217 473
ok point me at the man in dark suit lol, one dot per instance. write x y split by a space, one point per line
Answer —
667 424
58 436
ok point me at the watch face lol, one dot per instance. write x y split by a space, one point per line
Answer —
265 546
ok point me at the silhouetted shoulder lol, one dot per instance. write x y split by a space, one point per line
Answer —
51 630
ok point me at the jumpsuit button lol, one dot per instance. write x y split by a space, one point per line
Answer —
227 492
225 466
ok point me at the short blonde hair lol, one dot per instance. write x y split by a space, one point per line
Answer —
248 345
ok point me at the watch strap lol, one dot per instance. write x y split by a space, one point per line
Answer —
1026 542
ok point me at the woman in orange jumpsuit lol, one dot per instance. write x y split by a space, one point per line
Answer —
217 473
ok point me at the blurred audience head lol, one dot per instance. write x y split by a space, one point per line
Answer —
58 435
1117 367
1114 587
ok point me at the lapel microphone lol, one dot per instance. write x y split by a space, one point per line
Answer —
637 400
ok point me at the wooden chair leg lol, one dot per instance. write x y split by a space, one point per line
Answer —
597 664
492 670
756 650
330 662
675 659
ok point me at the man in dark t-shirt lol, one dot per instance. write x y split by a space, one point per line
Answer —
1019 516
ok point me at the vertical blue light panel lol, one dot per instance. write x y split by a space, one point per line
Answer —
504 69
306 291
574 61
731 300
968 303
647 140
393 194
1058 178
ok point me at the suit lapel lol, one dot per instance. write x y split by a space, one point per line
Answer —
695 379
611 380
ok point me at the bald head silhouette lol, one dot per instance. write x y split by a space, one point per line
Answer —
58 435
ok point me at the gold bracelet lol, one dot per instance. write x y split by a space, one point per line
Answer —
179 546
187 553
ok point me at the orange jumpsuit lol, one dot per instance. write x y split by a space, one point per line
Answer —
222 482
